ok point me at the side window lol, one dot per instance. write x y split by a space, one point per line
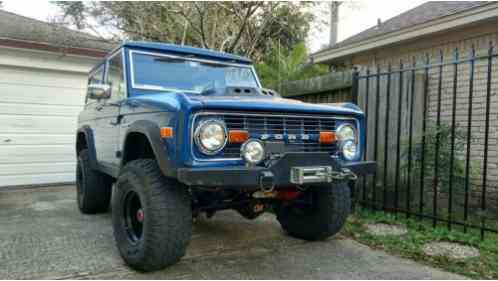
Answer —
115 77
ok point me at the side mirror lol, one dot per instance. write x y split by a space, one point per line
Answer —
99 91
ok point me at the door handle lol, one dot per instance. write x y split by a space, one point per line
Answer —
114 104
99 107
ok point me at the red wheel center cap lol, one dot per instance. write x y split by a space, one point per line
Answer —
140 215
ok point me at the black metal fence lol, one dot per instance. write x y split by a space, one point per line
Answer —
432 127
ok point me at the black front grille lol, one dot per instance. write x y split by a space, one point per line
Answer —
275 125
268 124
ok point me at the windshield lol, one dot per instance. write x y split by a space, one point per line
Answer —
163 72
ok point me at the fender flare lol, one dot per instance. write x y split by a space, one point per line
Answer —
90 143
152 132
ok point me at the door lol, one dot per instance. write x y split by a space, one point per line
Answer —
38 118
108 114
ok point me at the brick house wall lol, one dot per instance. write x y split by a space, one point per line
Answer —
479 36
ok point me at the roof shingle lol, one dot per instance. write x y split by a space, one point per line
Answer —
17 27
424 13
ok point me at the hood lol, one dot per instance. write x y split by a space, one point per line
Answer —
271 104
158 101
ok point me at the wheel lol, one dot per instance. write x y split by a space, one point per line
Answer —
93 188
325 217
151 217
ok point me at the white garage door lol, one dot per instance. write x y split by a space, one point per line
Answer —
38 116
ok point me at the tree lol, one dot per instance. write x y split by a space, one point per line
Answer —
247 28
284 65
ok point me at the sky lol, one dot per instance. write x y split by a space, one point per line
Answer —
354 16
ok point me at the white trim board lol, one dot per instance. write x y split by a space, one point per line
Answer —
478 14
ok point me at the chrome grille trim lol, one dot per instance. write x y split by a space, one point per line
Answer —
269 124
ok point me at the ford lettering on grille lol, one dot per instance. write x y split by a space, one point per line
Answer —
286 138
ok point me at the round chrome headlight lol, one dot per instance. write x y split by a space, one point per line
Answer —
349 149
211 136
346 132
253 151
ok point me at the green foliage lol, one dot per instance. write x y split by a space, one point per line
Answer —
444 133
248 28
419 233
270 33
281 65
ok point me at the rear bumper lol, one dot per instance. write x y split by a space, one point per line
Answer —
278 174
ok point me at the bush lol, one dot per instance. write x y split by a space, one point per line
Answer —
281 65
444 131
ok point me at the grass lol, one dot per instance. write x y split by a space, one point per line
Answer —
421 232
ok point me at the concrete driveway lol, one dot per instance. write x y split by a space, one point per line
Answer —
43 236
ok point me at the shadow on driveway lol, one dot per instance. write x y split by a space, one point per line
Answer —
43 236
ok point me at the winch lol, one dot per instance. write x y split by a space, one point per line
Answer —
318 174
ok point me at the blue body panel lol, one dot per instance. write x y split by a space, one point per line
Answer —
176 109
183 106
186 50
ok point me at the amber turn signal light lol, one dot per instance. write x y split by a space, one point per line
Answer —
238 136
166 132
327 137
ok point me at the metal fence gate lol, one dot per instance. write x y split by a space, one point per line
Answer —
432 127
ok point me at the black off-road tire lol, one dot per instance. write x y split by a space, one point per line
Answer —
93 188
167 217
331 207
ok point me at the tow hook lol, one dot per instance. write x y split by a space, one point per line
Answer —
266 181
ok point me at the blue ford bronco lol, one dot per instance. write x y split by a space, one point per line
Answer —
182 131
